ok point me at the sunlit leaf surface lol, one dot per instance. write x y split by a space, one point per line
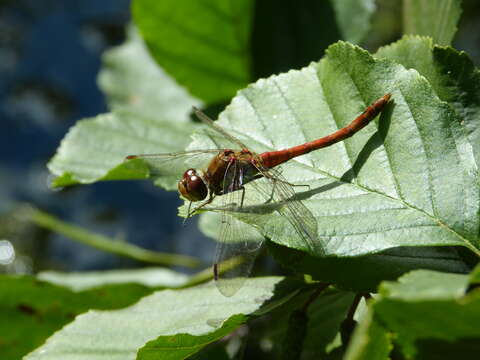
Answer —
170 324
151 277
407 179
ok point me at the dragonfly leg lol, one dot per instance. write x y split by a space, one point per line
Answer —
274 181
188 213
286 182
295 185
234 204
270 199
243 196
300 185
205 203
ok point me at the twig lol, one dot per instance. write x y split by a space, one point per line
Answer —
105 243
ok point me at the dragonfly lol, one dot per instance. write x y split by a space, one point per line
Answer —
226 174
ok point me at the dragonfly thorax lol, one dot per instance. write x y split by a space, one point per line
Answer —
192 187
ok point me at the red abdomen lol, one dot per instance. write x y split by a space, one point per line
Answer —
274 158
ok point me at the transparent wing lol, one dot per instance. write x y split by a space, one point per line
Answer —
238 243
206 120
175 163
279 190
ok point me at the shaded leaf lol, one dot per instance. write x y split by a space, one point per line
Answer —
289 35
292 344
370 341
428 316
364 273
418 315
215 351
325 315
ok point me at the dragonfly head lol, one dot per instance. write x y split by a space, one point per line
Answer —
192 187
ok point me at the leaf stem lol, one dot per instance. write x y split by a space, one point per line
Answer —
349 324
199 277
107 244
314 296
297 327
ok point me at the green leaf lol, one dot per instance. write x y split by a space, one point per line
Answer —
453 77
203 45
133 82
151 115
31 310
437 19
425 285
325 316
169 324
426 314
353 17
216 351
181 346
370 341
438 319
475 275
404 180
407 179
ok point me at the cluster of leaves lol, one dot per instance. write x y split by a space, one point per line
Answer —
401 195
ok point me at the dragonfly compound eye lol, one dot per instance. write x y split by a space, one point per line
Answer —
192 186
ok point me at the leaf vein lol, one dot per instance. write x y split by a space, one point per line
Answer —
368 211
380 231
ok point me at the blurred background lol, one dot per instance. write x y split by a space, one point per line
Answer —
50 56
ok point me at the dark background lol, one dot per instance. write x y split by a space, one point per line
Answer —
50 54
